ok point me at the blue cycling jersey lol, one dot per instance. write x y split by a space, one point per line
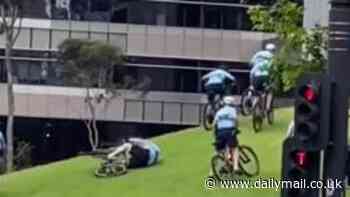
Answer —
225 118
217 76
153 149
261 63
154 152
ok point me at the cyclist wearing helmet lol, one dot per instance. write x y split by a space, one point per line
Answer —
226 124
140 153
216 81
261 62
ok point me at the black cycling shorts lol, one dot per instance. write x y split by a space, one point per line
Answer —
260 82
139 157
225 138
214 89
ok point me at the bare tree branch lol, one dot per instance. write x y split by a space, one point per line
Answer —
4 18
19 28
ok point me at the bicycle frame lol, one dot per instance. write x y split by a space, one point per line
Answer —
262 96
122 157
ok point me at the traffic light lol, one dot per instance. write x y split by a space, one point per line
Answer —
301 152
299 168
312 105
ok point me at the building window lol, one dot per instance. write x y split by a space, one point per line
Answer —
120 15
230 18
100 5
188 15
137 13
213 17
3 73
79 8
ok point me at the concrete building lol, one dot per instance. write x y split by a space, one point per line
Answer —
316 13
170 44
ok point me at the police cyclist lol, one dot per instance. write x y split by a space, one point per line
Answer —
261 63
226 130
216 82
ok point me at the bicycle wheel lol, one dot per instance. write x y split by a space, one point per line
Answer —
108 169
246 102
270 111
248 161
258 117
221 170
208 117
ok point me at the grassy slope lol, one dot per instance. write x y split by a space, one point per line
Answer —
185 166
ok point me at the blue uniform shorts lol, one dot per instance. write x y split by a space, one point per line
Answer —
225 138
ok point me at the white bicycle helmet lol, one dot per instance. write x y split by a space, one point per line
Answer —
229 100
270 47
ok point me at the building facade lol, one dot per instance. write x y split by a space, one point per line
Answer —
169 45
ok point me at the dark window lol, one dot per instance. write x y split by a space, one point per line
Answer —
188 15
2 71
37 9
187 81
192 16
230 18
120 16
139 13
246 22
213 17
79 9
99 10
28 72
100 5
125 76
172 15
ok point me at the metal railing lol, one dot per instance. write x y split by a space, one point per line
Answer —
42 39
177 115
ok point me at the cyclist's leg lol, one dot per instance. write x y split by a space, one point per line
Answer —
232 144
228 87
235 152
222 91
219 146
210 90
251 81
259 89
227 145
266 92
269 97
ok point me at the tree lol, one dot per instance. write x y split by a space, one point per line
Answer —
90 64
300 50
11 23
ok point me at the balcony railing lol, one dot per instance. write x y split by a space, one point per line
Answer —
129 106
146 40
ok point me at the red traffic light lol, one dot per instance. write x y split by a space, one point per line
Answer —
301 158
309 93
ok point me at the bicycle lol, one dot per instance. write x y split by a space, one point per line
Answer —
210 109
247 102
116 166
248 163
209 112
263 107
259 104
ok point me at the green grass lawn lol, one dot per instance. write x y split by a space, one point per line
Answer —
185 165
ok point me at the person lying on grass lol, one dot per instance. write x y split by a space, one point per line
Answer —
138 153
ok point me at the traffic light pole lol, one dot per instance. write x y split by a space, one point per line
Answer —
339 70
